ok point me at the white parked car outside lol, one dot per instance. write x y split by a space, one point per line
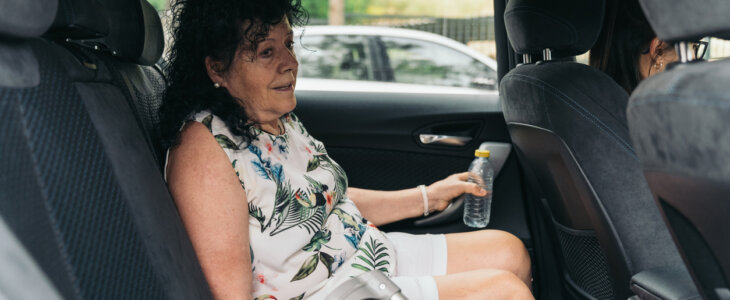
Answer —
364 58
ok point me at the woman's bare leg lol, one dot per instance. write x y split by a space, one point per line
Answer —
482 284
488 249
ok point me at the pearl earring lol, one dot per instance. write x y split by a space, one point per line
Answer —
216 85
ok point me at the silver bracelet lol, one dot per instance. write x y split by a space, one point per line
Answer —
425 199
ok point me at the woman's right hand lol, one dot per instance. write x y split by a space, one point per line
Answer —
442 192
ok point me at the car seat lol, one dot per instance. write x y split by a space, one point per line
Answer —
568 124
679 121
81 189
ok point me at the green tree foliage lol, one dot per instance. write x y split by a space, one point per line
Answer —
318 9
159 4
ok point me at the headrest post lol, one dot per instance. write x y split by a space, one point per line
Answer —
547 54
526 58
683 51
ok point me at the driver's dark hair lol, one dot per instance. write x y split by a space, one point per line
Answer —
626 34
216 29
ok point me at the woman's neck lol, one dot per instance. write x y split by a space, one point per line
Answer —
273 127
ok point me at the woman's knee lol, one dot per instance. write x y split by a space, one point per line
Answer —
514 253
489 249
513 287
500 284
482 284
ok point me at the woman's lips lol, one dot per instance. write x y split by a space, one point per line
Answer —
285 88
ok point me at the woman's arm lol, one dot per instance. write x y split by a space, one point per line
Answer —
214 209
383 207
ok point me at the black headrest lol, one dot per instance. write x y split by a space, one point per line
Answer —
688 20
25 18
135 31
80 19
567 27
130 29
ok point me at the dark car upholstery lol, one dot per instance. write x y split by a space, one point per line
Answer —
81 186
568 123
679 122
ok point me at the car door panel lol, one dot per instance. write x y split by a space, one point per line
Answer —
374 134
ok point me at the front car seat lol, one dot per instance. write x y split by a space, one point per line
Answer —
679 121
568 124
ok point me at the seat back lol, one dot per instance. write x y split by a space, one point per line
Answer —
20 276
679 122
81 189
568 124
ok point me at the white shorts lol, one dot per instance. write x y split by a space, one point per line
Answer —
419 257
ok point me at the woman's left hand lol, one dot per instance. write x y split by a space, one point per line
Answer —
440 193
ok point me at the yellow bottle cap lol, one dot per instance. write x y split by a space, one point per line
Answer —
481 153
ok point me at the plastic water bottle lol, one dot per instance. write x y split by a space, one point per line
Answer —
477 209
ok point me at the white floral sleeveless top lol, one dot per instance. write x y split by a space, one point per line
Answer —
306 236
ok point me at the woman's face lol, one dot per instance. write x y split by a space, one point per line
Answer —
264 81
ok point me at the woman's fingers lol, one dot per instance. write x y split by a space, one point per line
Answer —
446 190
463 176
474 189
470 187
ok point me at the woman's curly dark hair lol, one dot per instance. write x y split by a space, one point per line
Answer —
215 28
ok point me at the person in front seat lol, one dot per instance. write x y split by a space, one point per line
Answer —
628 50
269 213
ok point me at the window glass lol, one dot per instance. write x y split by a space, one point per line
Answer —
334 57
422 62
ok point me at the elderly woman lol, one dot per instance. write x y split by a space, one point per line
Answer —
269 213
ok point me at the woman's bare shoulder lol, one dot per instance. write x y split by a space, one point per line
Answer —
198 157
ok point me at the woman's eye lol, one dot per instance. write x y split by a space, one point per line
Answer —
266 53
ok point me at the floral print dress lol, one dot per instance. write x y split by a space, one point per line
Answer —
306 236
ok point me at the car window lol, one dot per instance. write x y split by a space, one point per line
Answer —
423 62
334 57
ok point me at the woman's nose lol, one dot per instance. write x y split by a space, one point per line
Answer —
289 61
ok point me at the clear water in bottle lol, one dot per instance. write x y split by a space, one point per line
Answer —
477 209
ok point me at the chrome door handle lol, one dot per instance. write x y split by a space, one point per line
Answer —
449 140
